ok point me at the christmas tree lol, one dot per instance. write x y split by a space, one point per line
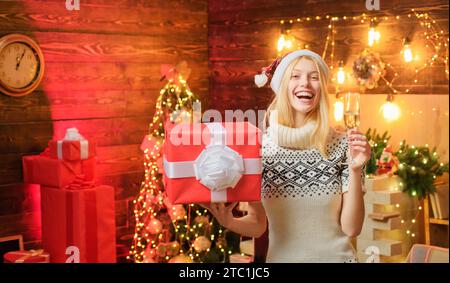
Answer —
165 232
419 167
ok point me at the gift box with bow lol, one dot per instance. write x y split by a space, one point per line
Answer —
31 256
212 162
46 171
78 222
72 147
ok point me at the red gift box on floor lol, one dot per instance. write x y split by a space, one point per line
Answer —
212 162
43 170
72 147
79 224
31 256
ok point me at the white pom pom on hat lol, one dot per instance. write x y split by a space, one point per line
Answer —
279 66
261 79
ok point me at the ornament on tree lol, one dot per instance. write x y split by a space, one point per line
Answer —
155 226
161 250
388 162
201 219
173 248
177 212
201 244
181 258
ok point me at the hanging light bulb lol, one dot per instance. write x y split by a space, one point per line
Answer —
341 73
390 110
284 42
338 109
374 35
281 42
407 53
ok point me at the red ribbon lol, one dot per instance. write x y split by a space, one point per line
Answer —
80 184
90 215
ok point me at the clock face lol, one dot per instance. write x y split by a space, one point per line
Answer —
19 65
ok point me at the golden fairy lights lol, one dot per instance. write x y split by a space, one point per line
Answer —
148 229
151 238
435 38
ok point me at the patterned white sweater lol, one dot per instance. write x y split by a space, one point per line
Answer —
302 196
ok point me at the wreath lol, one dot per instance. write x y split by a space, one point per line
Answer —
368 68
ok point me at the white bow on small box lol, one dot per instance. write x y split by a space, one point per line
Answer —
72 134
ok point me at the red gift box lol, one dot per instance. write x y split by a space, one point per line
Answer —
31 256
72 150
72 147
212 162
78 224
43 170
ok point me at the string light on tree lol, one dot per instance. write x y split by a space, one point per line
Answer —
163 232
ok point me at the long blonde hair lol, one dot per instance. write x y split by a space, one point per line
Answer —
319 114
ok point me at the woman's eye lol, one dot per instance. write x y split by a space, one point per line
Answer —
314 78
295 76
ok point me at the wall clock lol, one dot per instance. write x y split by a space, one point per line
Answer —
21 65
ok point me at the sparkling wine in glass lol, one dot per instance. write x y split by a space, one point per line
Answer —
351 112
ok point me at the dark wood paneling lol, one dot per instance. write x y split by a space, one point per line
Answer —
102 76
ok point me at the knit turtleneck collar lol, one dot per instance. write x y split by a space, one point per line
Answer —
296 138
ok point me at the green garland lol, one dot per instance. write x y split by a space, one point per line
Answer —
418 168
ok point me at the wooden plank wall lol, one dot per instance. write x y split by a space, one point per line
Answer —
102 76
243 34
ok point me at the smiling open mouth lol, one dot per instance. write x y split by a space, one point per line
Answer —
304 95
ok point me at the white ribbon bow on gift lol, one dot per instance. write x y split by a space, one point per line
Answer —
72 134
218 167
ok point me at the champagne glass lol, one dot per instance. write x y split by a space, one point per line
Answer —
351 111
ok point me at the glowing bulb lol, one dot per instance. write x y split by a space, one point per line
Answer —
374 35
391 111
338 110
281 41
341 73
407 53
284 42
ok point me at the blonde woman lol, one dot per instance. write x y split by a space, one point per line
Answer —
312 194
